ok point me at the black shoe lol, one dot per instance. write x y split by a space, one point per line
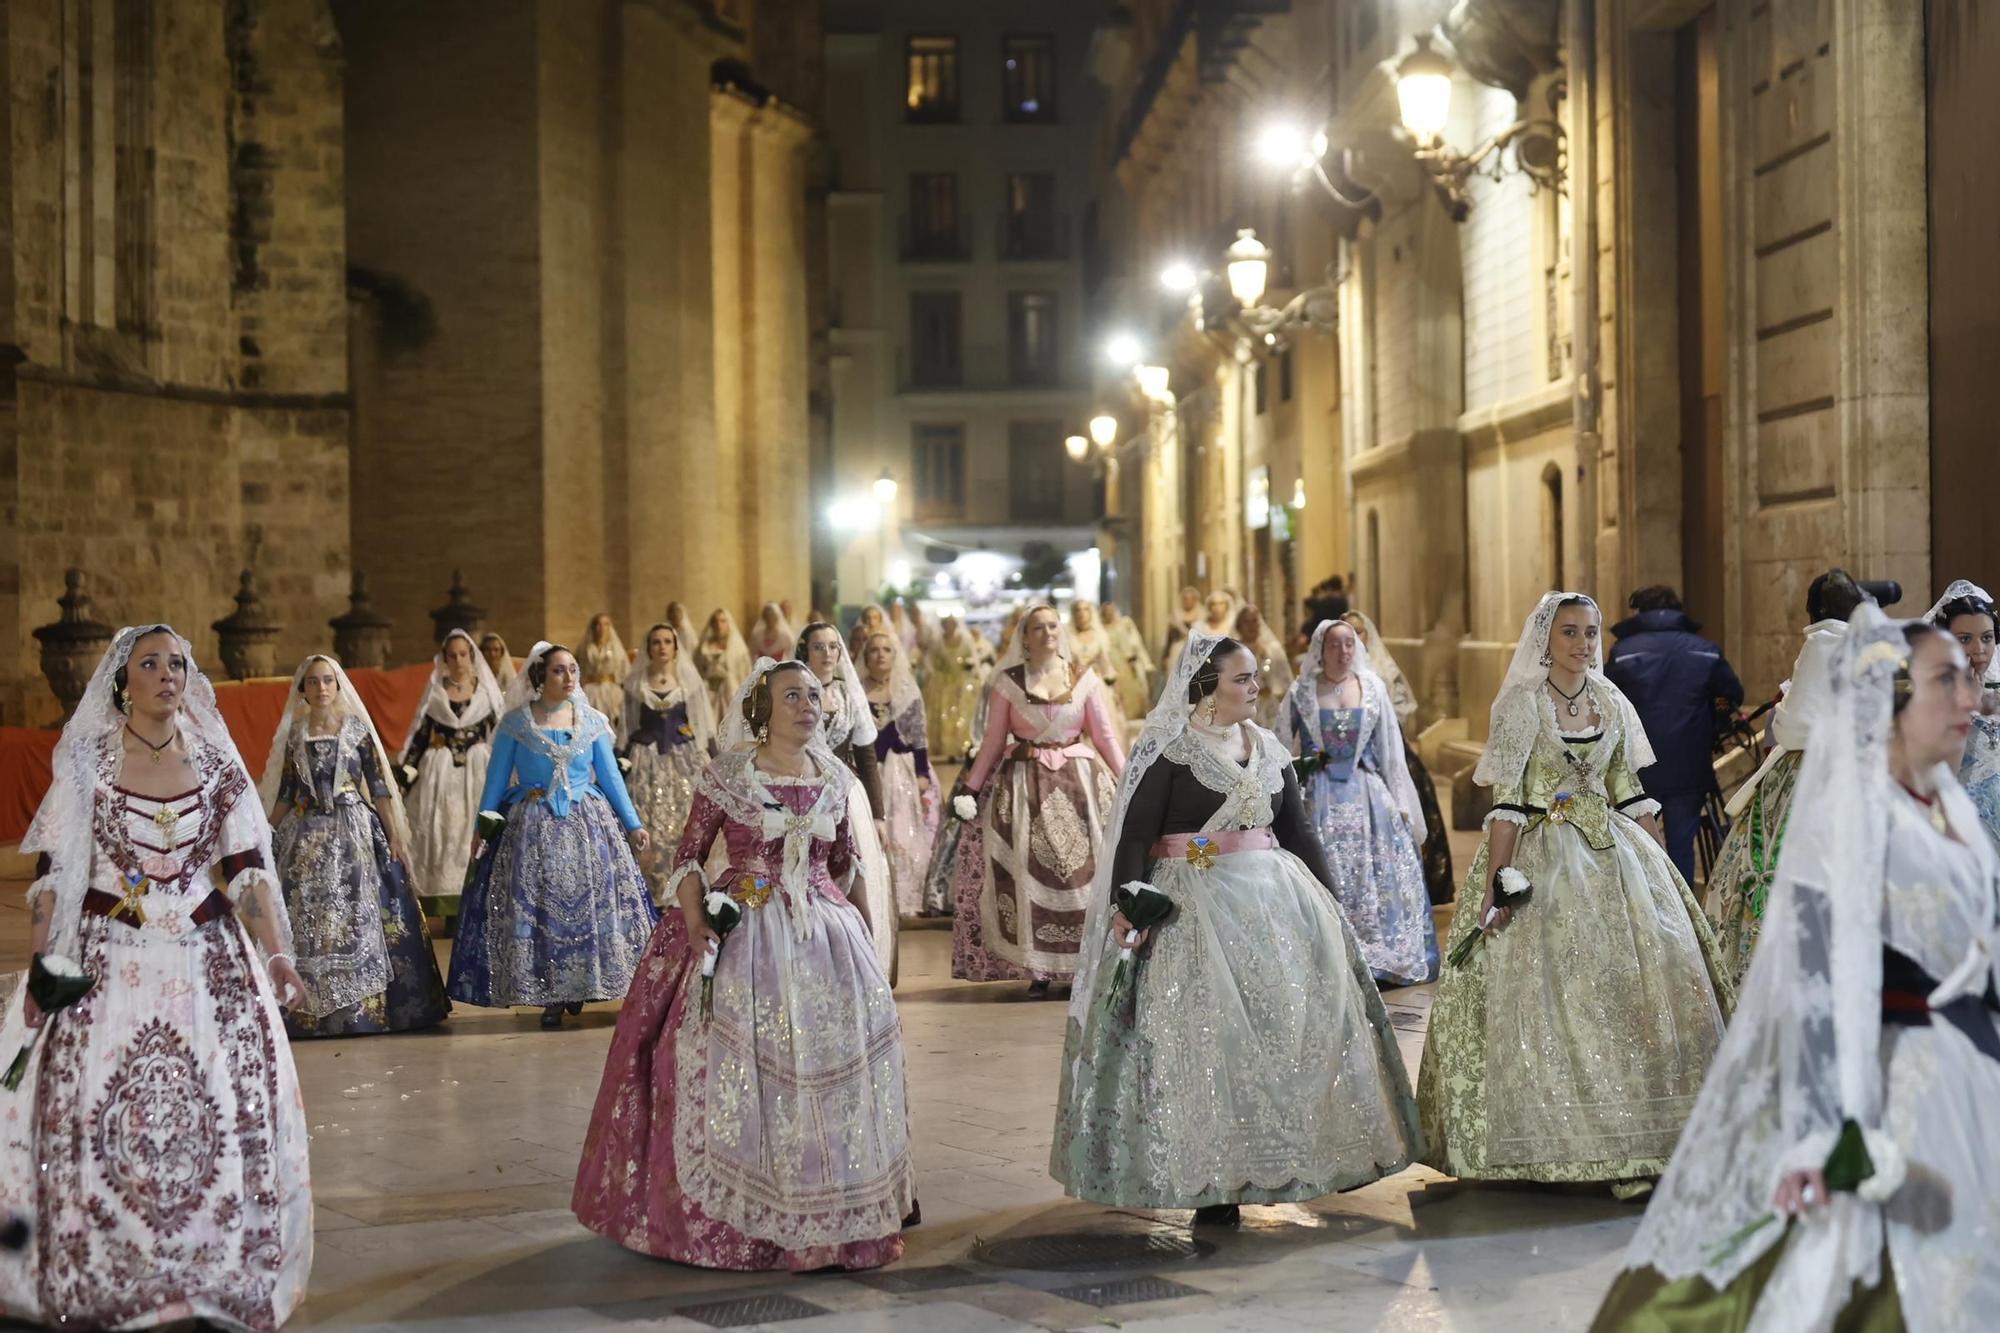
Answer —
916 1217
1219 1215
1039 989
573 1008
552 1016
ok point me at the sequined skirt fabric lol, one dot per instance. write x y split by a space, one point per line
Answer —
1376 874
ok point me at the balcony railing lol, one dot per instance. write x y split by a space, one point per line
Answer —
931 243
1034 236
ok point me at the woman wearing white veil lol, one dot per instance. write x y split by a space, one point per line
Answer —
342 842
1340 719
557 913
1053 758
1569 1046
1435 844
158 1146
605 665
667 734
499 661
443 763
1966 612
773 635
722 658
903 761
1869 1014
766 1127
847 728
1251 1059
1274 665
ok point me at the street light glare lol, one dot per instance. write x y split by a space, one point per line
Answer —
1076 447
1104 429
1122 350
1282 144
1179 277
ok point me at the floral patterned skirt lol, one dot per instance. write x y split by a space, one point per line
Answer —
558 912
662 784
1252 1063
1376 874
911 814
772 1133
160 1138
1744 869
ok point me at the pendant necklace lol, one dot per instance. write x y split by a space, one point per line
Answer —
1569 699
156 750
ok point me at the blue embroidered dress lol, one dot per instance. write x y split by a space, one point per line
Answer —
557 912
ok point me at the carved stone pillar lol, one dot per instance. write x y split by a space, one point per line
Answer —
72 644
361 638
458 612
248 636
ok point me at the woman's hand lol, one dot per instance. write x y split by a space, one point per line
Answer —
399 853
1121 931
700 933
286 982
1800 1192
31 1011
640 839
478 845
1493 920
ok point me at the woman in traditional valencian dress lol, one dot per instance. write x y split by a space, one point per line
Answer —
1134 686
1252 1060
847 728
1868 1021
1044 780
1363 806
903 761
767 1128
443 762
1435 845
1274 665
558 912
667 736
157 1145
1569 1046
1740 880
605 664
1966 613
1091 644
498 660
872 620
773 635
342 843
677 616
722 658
951 688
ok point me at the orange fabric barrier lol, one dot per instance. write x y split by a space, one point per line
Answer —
250 709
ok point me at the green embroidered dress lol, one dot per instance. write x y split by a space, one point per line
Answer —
1570 1046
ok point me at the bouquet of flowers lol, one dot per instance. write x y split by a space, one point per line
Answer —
55 983
965 807
1511 890
1308 764
1862 1162
1145 907
723 914
489 826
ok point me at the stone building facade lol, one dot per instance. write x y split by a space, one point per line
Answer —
1705 361
521 288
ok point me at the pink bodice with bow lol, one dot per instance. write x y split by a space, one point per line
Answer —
1050 732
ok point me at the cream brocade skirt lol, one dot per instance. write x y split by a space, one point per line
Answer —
1253 1061
1570 1046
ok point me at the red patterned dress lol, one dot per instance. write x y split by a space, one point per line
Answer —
158 1144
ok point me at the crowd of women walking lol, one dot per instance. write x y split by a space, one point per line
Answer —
1218 854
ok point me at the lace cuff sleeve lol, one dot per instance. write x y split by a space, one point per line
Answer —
44 883
248 879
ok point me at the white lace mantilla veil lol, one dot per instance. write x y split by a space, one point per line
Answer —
611 641
61 828
782 631
1301 709
701 717
1522 709
487 700
1966 588
1380 659
856 724
288 747
1164 725
683 627
1017 642
1802 1053
904 692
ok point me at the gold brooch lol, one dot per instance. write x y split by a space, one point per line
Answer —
1201 852
166 817
1559 807
753 891
133 903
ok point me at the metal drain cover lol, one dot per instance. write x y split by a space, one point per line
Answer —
1126 1291
1090 1251
748 1310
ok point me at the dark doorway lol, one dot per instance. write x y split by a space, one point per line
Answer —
1703 332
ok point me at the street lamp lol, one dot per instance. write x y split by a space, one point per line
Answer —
1535 146
885 489
1299 493
1179 277
1104 430
1076 447
1153 380
1122 350
1249 266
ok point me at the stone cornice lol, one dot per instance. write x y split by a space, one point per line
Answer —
340 401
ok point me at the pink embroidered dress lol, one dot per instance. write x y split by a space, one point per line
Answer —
1023 882
772 1133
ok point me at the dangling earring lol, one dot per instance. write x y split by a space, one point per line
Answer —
763 733
1547 660
125 701
1211 710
